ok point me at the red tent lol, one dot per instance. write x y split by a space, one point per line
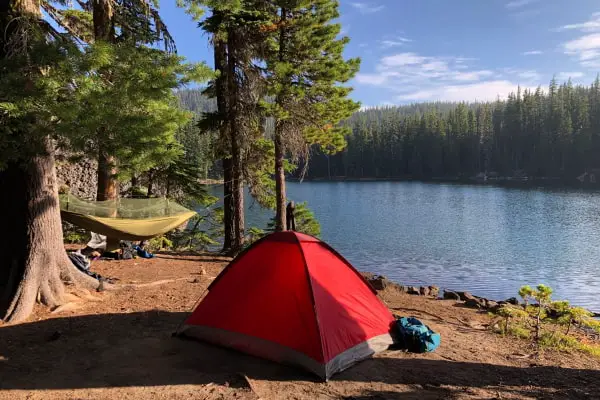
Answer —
292 299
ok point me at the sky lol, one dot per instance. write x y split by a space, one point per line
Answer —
449 50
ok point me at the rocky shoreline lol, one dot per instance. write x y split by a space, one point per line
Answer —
379 282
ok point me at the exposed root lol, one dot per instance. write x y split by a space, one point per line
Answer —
83 294
156 283
67 307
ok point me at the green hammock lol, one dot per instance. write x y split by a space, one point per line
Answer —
126 219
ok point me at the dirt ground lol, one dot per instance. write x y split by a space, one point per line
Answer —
118 345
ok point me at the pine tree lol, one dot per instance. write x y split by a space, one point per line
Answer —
32 76
305 70
54 96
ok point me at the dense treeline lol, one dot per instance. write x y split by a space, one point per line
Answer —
542 133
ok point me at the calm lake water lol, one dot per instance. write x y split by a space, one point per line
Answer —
487 240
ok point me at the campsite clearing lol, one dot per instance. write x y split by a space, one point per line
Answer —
119 345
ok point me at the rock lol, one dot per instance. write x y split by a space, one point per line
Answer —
55 336
450 295
464 296
379 282
368 276
424 291
434 291
413 290
513 301
475 303
491 305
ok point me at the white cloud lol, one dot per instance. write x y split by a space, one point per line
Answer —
519 3
593 25
529 75
367 8
471 76
533 53
402 59
585 48
415 77
583 44
371 79
394 42
563 76
481 91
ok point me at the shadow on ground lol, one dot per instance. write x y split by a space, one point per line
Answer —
122 350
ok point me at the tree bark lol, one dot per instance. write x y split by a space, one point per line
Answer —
104 30
107 184
34 260
150 192
236 154
228 209
280 192
220 56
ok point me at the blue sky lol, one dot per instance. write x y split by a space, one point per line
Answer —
422 50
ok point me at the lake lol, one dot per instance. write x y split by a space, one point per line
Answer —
483 239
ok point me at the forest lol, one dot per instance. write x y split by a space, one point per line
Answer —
551 133
547 133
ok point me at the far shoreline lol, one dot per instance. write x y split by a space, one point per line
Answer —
538 183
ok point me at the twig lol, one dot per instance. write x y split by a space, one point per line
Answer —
251 385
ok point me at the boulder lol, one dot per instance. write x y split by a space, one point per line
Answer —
491 304
369 276
379 282
413 290
475 303
464 296
513 301
424 291
450 295
434 291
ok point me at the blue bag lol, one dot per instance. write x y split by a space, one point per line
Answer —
143 253
412 335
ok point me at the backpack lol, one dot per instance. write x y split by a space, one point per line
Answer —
412 335
127 251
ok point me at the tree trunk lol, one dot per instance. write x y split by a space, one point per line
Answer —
220 56
107 184
104 30
34 260
280 193
228 210
236 153
150 192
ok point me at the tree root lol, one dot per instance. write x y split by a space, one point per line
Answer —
67 307
149 284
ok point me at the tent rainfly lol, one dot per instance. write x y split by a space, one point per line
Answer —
292 299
